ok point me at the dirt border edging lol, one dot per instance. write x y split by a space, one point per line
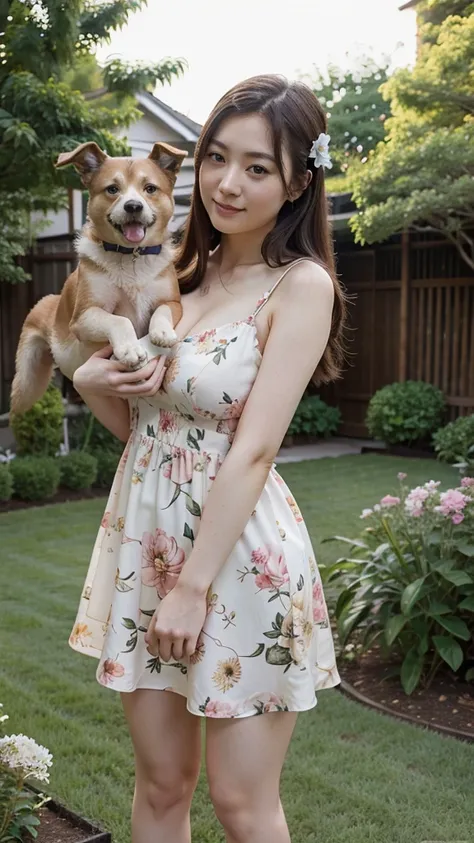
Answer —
349 691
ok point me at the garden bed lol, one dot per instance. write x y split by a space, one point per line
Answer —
446 706
60 825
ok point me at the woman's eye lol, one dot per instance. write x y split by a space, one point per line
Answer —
218 156
151 188
112 189
257 167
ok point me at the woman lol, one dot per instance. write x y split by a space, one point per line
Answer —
203 581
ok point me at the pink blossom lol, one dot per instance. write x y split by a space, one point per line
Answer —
401 475
366 513
467 481
457 518
180 468
214 708
105 520
167 422
390 500
109 671
162 561
319 605
272 570
451 502
415 500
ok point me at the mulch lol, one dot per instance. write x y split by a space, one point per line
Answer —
448 704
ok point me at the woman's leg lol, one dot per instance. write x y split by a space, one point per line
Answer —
244 761
167 744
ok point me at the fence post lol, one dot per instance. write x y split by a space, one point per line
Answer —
404 295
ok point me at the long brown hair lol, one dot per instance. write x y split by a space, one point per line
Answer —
296 118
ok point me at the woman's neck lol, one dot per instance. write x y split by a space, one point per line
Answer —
240 249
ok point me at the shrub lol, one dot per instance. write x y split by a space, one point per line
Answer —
78 470
39 431
313 416
6 482
453 441
106 467
409 580
88 434
35 478
407 412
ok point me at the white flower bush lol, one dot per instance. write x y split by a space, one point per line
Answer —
21 758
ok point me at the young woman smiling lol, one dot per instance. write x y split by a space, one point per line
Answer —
203 596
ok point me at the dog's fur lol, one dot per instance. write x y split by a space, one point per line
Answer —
111 297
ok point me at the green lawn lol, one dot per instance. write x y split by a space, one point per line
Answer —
352 775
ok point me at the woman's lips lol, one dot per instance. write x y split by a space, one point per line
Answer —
226 210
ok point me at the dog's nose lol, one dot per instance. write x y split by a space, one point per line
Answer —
133 207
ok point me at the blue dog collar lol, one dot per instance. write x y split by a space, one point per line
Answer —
125 250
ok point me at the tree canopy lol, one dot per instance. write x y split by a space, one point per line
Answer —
43 46
421 176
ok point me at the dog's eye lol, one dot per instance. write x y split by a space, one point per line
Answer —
151 188
112 189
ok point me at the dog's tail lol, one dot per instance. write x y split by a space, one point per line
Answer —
34 362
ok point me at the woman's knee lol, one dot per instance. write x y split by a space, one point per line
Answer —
166 788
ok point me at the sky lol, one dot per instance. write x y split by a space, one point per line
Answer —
225 41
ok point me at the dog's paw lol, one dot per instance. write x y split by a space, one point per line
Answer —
131 355
163 336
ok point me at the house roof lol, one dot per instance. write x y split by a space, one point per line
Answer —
410 5
184 126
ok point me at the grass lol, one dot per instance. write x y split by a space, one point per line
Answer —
351 774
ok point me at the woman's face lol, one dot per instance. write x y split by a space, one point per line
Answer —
241 188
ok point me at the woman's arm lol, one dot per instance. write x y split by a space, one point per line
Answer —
106 385
298 337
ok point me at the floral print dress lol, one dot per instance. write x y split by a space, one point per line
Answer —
266 644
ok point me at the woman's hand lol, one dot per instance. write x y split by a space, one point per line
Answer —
101 376
176 624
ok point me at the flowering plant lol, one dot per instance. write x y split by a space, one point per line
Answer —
20 759
409 579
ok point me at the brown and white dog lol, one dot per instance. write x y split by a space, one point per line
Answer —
125 285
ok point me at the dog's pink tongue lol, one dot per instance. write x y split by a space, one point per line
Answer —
134 232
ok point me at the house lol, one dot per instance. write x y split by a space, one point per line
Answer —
412 4
158 122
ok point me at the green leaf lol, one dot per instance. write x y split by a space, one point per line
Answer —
449 650
467 603
465 548
438 608
393 627
128 623
257 652
193 506
455 576
411 670
456 626
410 595
278 655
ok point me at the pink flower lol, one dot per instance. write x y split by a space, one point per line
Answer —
180 468
167 422
467 481
273 573
415 500
390 500
319 606
162 561
214 708
109 671
105 520
401 475
234 410
451 502
457 518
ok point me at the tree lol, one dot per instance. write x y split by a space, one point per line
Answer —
355 108
421 177
42 114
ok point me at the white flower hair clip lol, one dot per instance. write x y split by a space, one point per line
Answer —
320 151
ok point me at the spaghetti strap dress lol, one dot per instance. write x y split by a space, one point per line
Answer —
266 644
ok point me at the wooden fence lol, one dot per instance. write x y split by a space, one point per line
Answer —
412 316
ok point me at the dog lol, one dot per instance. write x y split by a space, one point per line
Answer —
125 284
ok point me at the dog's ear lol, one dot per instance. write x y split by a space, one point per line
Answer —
168 158
86 158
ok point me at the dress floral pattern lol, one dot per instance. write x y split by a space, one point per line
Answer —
266 644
